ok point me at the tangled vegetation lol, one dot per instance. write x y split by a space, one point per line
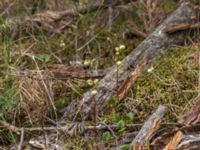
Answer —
88 41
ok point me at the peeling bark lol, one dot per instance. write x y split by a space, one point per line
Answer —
192 116
174 141
141 141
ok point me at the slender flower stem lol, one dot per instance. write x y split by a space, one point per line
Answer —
95 114
117 76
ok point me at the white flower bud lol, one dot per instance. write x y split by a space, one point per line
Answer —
150 69
94 93
117 53
90 82
86 63
122 47
119 63
96 81
117 49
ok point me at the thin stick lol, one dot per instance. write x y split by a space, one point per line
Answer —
181 27
95 115
68 126
21 139
6 10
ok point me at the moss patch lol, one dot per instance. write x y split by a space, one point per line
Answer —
172 81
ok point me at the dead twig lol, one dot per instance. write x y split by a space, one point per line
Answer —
8 8
21 139
62 72
135 31
66 128
181 27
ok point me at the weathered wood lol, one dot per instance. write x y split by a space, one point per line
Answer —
192 116
190 139
138 60
174 141
141 141
62 72
189 142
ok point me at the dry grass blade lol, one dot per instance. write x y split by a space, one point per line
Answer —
181 27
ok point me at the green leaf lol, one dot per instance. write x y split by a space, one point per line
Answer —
13 137
125 147
112 102
44 58
106 136
116 117
60 103
121 126
128 118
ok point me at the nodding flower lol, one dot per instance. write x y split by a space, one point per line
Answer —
117 49
86 63
150 69
96 81
117 53
94 92
90 82
119 63
122 47
62 44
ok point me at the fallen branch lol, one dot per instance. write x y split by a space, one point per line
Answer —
21 139
141 141
184 141
66 128
192 116
63 72
173 137
138 60
174 141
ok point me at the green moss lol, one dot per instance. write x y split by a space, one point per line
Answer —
76 143
169 6
174 73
